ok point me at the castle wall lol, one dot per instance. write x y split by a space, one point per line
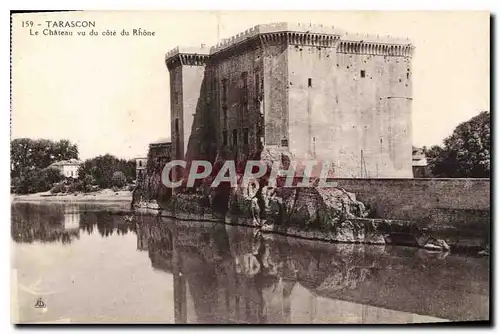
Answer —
311 86
275 94
193 98
438 201
373 115
239 108
320 95
176 113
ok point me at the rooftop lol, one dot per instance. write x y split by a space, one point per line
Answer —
66 163
165 140
291 27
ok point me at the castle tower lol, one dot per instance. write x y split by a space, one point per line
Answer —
312 91
187 73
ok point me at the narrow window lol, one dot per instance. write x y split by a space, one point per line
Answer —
284 142
224 91
309 82
244 78
257 85
235 137
363 73
245 136
176 126
224 115
224 137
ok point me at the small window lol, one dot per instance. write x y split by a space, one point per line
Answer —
245 136
284 142
257 85
224 91
235 137
309 82
176 126
244 78
224 137
224 113
363 73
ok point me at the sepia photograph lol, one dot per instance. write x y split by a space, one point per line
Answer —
250 167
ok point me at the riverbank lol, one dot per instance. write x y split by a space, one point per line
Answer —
106 195
369 231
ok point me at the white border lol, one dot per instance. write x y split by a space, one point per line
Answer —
198 5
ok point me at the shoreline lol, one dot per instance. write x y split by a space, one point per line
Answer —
101 196
397 232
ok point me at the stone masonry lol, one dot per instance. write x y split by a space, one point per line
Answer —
312 91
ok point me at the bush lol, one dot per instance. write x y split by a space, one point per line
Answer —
119 179
36 180
76 186
58 188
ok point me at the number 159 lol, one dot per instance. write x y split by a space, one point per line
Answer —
27 24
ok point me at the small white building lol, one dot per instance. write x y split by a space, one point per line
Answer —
140 168
68 168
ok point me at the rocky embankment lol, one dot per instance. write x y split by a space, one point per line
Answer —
329 214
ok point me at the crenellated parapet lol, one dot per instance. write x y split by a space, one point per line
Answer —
194 56
374 48
292 34
283 31
299 38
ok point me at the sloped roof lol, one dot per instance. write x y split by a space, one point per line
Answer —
70 162
164 140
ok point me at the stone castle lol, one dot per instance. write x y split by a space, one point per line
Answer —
311 91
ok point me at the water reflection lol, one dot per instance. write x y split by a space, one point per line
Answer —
225 274
63 222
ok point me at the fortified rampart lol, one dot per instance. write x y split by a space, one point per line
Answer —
313 91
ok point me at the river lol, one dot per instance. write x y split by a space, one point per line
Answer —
91 263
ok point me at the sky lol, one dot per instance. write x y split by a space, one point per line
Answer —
110 94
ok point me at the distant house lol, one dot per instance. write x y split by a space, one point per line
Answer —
419 164
68 168
140 167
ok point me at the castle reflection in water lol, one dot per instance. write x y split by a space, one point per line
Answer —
228 274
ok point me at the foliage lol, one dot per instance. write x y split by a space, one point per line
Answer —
58 188
466 153
87 181
36 154
119 179
36 180
101 169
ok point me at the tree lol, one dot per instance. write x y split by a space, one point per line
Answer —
28 154
466 153
101 169
119 179
36 180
